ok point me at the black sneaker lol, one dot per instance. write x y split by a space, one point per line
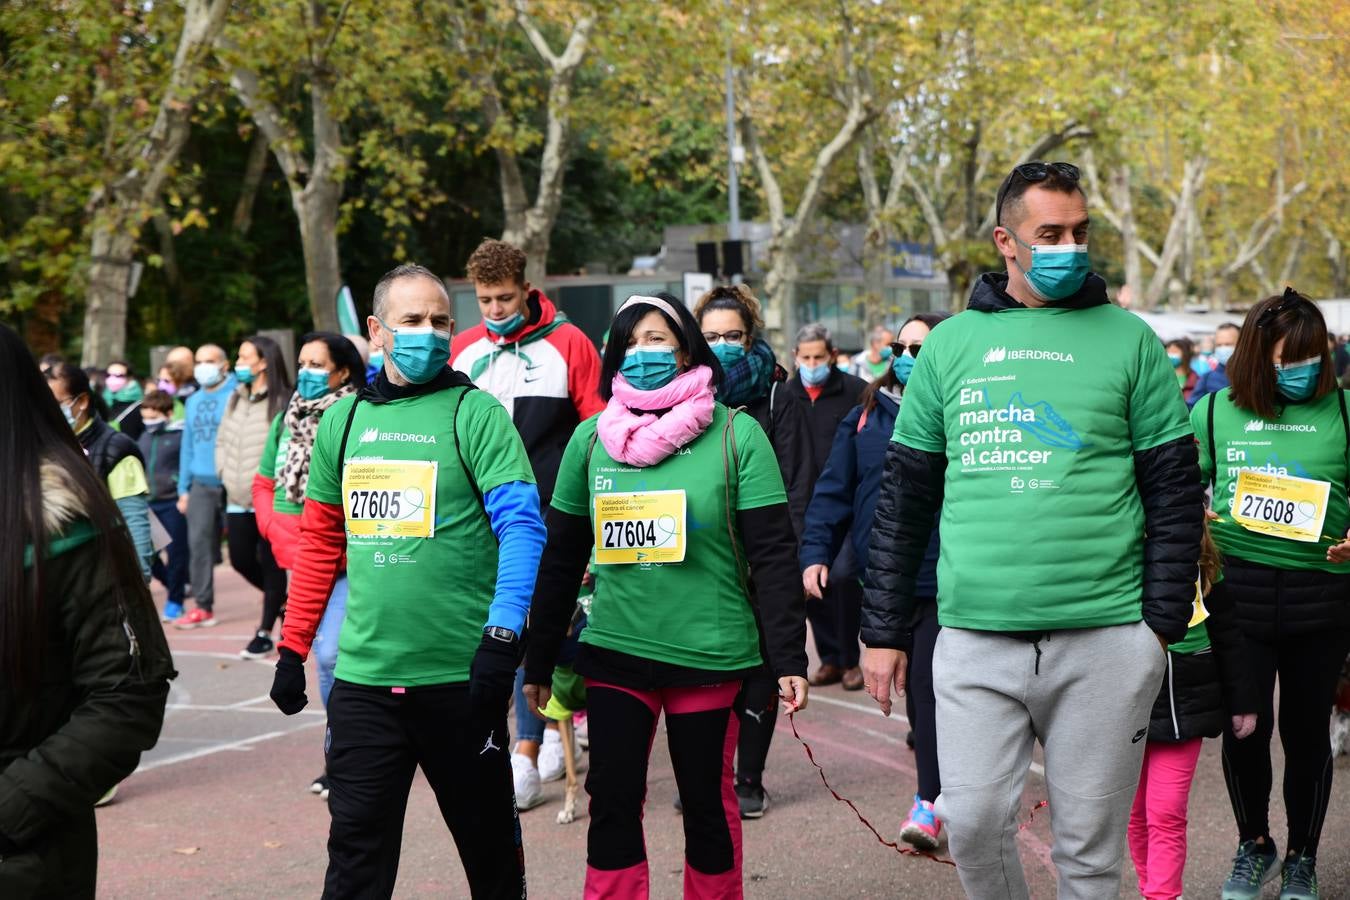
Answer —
754 800
320 786
259 647
1253 865
1298 881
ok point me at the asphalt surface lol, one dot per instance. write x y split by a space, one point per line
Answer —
221 808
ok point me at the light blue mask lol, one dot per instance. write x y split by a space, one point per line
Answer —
66 410
1174 359
419 354
377 359
902 366
649 368
505 326
1223 354
312 383
243 374
814 375
728 353
1057 270
886 352
208 375
1297 381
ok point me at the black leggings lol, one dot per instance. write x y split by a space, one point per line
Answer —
757 708
251 556
921 702
1308 666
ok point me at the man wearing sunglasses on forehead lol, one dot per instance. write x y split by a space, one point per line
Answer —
1045 426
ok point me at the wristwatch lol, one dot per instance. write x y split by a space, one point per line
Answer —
498 633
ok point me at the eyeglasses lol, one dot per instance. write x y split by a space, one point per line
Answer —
731 337
1033 173
899 348
1290 300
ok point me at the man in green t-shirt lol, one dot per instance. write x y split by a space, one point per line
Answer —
1045 425
423 483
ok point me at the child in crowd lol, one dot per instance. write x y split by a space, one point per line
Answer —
159 446
1205 685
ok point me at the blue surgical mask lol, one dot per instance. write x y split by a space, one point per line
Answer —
813 376
1057 270
377 359
243 374
1174 359
1223 354
1298 381
312 383
728 353
902 366
207 374
886 352
649 368
419 354
505 326
67 410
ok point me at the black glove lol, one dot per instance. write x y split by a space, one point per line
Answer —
288 686
492 677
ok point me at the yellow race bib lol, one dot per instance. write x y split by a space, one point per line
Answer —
1283 506
390 498
641 527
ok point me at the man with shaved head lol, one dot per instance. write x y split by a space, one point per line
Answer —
200 495
1045 425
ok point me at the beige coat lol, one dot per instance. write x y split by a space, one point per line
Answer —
239 444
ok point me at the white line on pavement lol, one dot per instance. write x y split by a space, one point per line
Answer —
245 744
203 707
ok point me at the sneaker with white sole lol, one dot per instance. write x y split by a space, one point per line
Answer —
529 789
198 618
1253 865
1340 733
259 647
320 786
581 729
172 611
922 829
552 765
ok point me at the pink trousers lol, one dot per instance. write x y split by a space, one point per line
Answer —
1158 820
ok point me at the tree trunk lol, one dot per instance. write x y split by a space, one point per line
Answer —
248 191
316 209
1129 237
105 313
534 243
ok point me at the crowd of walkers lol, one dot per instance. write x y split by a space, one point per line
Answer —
1000 516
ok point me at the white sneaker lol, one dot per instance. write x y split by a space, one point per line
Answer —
552 765
580 721
529 790
1340 733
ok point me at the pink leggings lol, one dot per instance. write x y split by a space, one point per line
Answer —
1158 820
701 728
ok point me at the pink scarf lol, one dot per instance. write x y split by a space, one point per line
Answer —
645 440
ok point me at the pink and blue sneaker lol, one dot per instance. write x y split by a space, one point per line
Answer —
922 829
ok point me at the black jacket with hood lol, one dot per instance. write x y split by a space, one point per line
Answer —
104 683
840 393
912 489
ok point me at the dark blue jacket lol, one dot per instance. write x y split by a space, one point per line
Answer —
1211 382
845 498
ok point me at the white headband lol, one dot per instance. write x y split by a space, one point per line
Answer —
653 301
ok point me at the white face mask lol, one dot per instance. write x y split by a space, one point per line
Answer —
207 374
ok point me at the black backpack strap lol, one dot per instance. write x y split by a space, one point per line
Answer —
346 430
1345 423
1213 456
731 473
454 430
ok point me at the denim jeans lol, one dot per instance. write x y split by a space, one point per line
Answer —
326 638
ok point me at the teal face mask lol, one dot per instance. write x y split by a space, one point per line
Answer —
728 353
419 354
312 383
1057 270
1174 359
649 368
902 366
1298 381
505 326
377 359
813 376
886 352
243 374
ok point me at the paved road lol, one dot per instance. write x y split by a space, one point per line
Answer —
220 808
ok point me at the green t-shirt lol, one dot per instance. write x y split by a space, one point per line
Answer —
1307 440
693 613
417 605
273 458
1039 412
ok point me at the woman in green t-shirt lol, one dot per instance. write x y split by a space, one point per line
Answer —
1274 446
680 499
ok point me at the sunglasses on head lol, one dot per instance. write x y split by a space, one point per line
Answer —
1033 173
899 347
1290 300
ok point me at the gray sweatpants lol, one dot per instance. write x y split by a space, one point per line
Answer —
206 509
1089 707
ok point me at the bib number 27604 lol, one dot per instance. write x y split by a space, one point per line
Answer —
641 527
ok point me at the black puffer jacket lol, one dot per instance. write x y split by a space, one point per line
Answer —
1202 690
838 395
100 704
1275 603
912 489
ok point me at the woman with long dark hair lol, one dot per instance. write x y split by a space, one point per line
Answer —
1275 447
732 324
264 388
85 665
330 368
842 508
682 503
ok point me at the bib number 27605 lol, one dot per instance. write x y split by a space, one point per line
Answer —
390 498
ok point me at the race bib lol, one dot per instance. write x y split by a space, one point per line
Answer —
643 527
1283 506
390 498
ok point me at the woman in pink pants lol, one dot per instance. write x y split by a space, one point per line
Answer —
1206 684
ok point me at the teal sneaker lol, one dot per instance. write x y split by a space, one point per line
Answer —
1253 865
1299 879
